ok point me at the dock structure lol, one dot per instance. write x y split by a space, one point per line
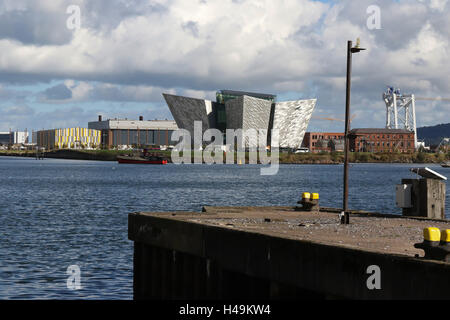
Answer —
280 253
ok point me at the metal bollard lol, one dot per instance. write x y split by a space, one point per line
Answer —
444 244
436 244
309 202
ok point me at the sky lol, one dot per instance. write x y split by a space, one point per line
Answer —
64 62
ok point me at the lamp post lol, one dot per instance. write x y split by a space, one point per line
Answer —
345 218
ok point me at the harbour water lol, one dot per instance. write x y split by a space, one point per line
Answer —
57 213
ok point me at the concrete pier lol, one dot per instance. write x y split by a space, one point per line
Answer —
281 253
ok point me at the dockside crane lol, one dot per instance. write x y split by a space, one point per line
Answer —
401 110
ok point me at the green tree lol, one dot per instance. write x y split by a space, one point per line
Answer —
420 157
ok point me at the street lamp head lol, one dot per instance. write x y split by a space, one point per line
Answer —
357 48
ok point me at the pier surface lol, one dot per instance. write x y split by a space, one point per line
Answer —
277 252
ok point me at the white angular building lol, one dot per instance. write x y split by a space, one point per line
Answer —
245 110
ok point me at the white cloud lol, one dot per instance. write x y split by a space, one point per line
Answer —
135 50
231 39
436 4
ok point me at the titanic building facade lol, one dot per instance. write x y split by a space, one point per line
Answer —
245 110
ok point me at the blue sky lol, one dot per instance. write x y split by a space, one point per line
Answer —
127 53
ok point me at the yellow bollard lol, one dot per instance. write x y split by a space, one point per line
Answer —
432 234
436 244
445 236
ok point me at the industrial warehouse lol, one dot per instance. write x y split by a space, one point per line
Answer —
382 140
128 133
107 134
361 140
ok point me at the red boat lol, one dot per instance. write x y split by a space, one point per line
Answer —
144 158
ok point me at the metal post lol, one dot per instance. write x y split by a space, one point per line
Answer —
388 117
413 104
345 219
395 111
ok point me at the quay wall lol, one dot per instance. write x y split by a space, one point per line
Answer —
176 259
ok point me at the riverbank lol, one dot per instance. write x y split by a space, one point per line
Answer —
284 158
364 157
99 155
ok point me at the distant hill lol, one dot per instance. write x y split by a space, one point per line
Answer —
433 135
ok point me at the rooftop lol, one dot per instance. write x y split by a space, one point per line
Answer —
380 130
244 93
133 124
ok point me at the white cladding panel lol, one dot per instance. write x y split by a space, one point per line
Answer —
291 118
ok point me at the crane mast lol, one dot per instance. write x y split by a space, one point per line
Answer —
400 111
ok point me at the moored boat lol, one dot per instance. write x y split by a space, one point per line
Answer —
143 158
445 164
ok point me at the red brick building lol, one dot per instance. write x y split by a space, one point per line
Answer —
323 141
381 140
